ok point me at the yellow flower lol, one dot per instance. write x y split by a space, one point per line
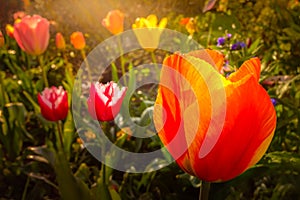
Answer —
148 31
150 22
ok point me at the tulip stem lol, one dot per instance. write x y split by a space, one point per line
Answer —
44 71
122 59
87 65
155 64
59 130
204 190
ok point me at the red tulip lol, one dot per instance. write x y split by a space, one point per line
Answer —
54 103
211 136
60 41
105 101
114 21
32 34
77 40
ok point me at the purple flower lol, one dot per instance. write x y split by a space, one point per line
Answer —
220 41
274 101
229 35
238 46
242 44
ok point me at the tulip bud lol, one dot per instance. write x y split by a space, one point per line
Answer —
114 21
54 103
9 30
60 41
77 40
105 101
32 34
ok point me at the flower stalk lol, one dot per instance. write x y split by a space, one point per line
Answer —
59 135
44 70
204 190
87 64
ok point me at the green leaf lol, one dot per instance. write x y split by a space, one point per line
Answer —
13 128
33 103
255 46
114 195
68 134
101 191
279 157
83 172
69 186
46 152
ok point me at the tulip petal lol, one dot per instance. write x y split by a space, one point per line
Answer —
163 23
248 129
181 103
62 109
152 21
251 66
91 102
46 108
215 58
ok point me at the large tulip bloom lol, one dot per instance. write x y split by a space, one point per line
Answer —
105 100
32 34
215 128
54 103
114 21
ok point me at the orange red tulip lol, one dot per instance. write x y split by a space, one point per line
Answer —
32 34
77 40
114 21
215 127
